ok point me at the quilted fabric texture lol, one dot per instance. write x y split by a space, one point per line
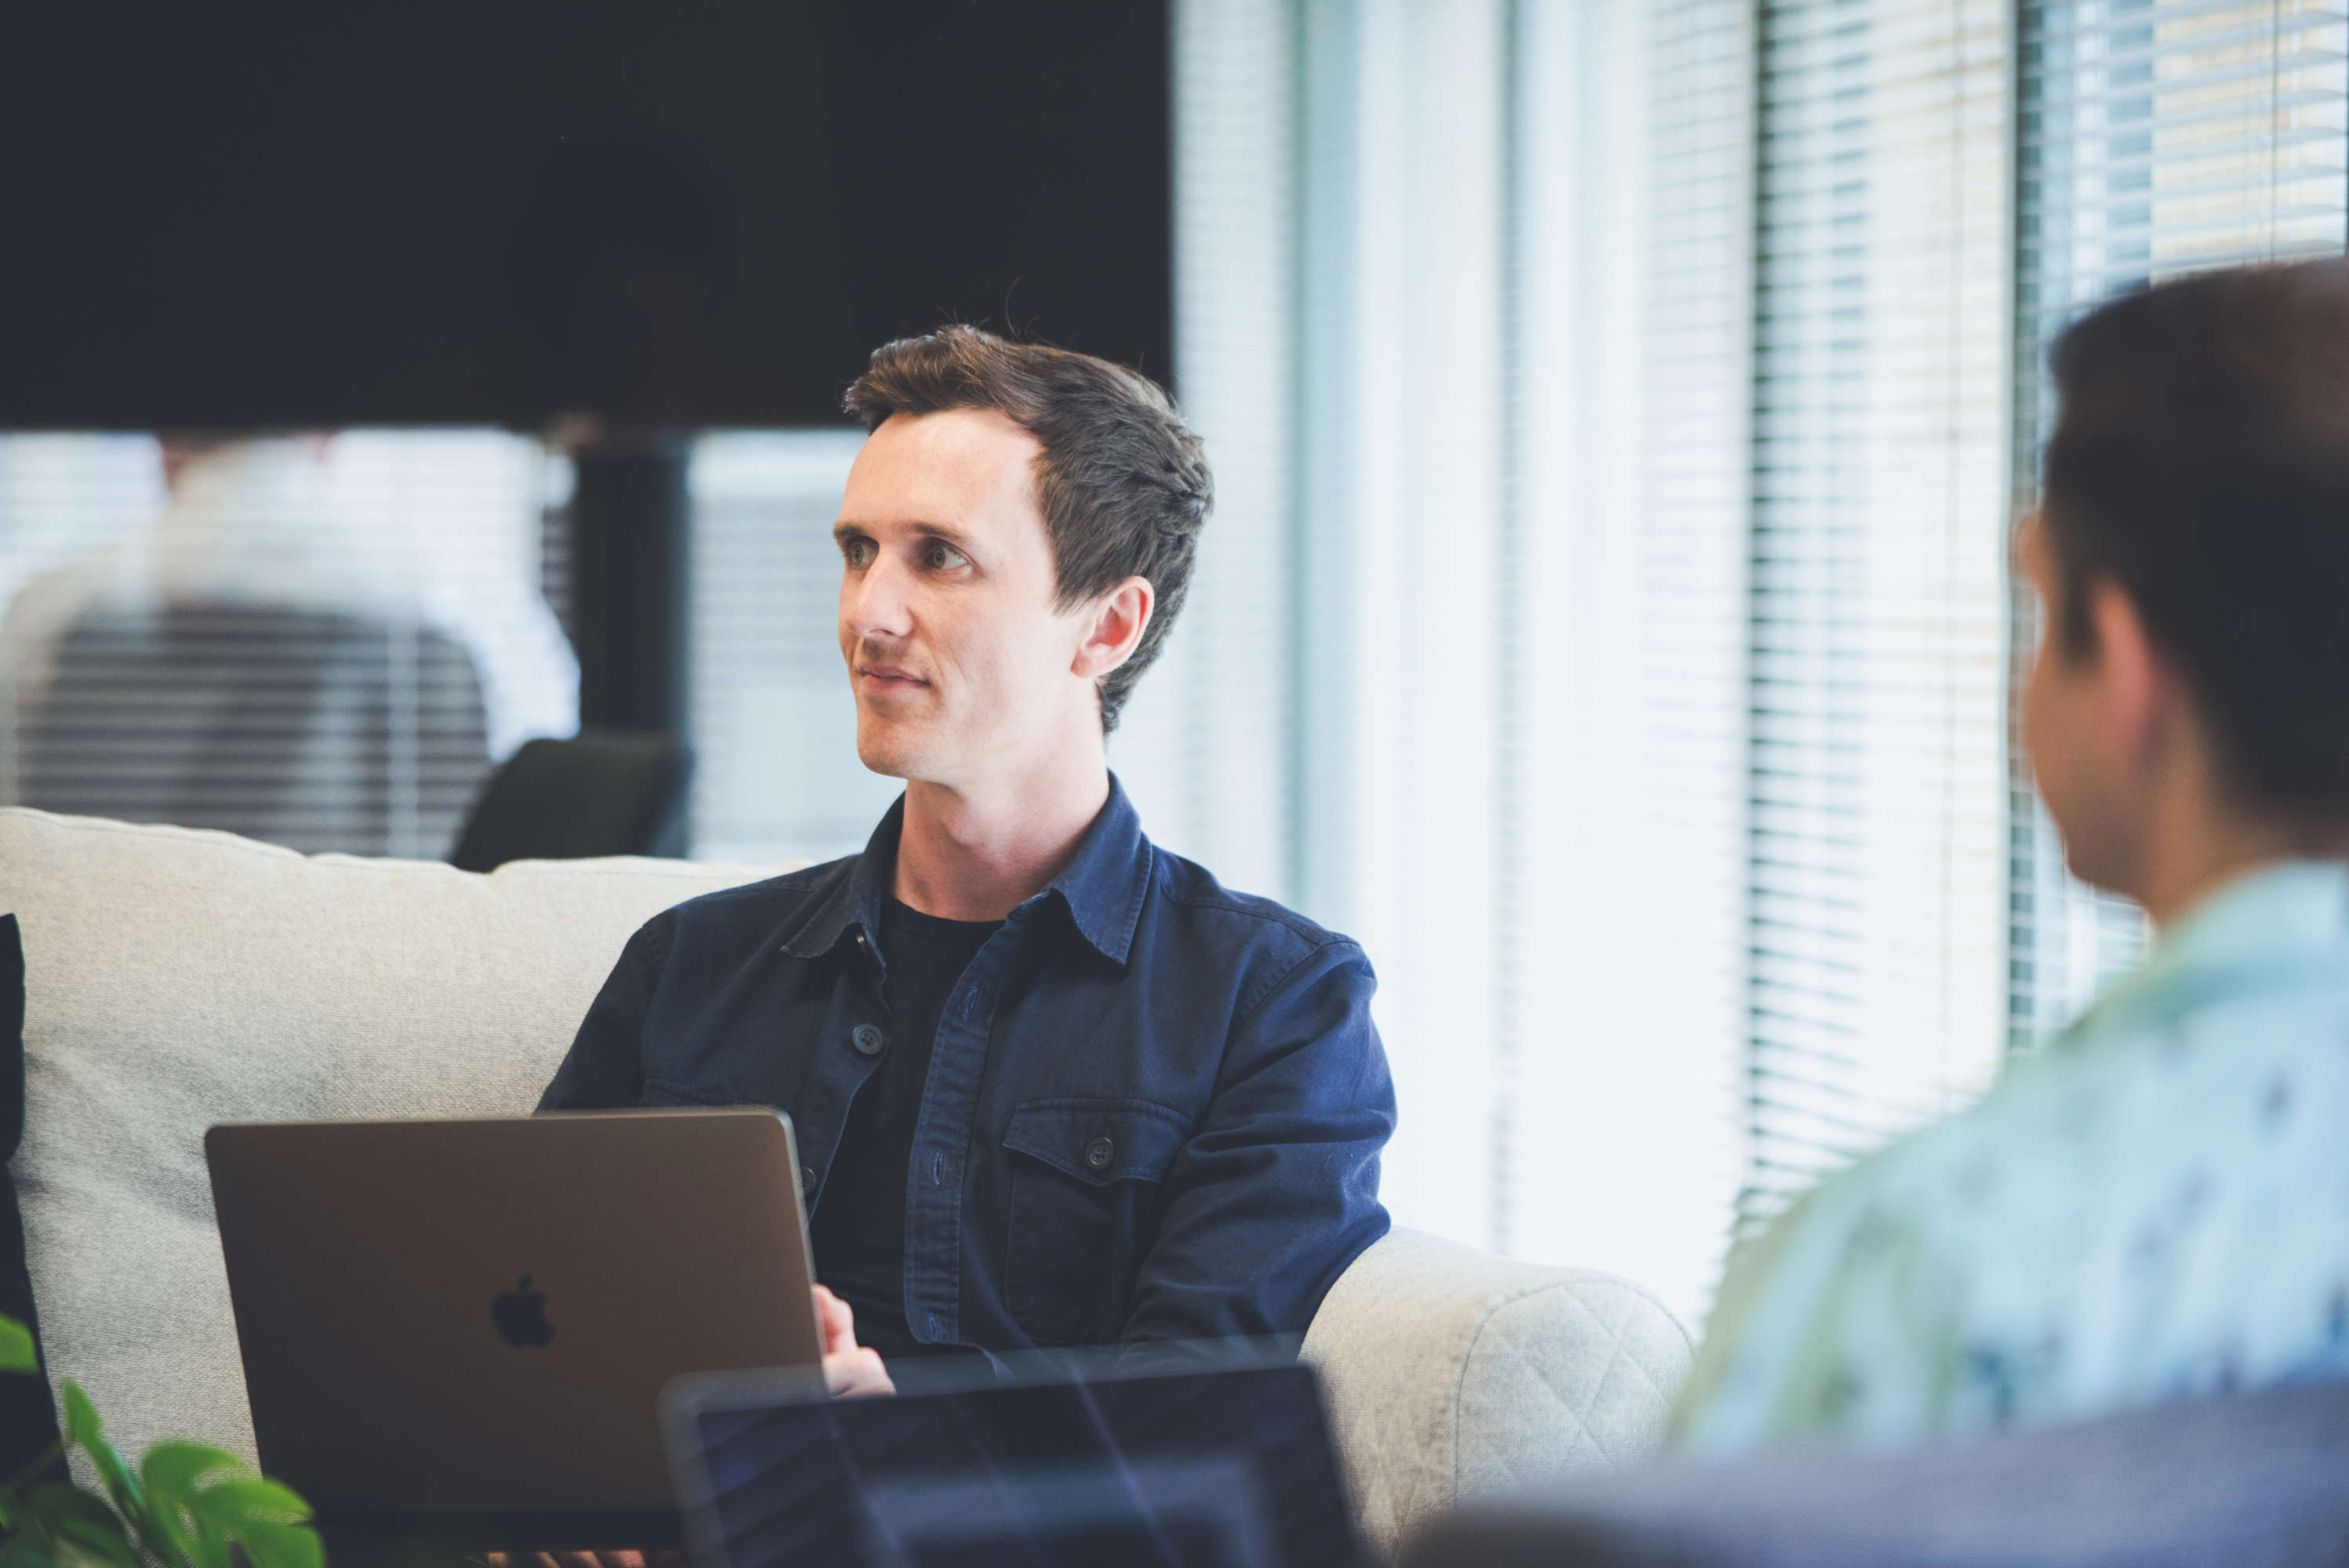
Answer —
1454 1373
177 978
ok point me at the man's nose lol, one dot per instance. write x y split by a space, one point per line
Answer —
874 602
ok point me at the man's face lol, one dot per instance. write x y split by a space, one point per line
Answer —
960 664
2069 729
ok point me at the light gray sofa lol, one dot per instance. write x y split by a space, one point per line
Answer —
177 978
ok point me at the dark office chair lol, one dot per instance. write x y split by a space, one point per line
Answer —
601 792
318 731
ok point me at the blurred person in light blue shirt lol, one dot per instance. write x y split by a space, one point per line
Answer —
2156 1205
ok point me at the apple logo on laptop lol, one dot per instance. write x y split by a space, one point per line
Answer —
521 1317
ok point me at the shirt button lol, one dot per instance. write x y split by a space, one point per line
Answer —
807 1179
868 1039
1100 1152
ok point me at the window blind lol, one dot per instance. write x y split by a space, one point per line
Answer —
1875 768
1206 746
776 775
2155 137
326 647
1624 829
1402 397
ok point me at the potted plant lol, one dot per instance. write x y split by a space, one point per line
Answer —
185 1506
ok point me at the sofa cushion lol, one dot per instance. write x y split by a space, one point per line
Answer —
176 978
1454 1374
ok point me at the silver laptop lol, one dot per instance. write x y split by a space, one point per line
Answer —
472 1320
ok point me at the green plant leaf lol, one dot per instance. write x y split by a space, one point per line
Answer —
57 1504
74 1521
82 1424
88 1433
203 1503
25 1549
106 1544
177 1469
243 1501
283 1546
209 1548
173 1474
16 1354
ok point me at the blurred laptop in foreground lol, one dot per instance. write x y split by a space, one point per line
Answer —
1049 1460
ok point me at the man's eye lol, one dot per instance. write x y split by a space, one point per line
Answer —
857 551
942 557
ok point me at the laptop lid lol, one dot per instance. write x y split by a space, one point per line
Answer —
1204 1467
473 1320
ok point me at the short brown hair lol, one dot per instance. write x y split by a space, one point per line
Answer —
2201 461
1122 481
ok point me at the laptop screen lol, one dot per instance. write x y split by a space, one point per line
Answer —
1223 1469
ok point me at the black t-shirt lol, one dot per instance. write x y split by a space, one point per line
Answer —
858 1229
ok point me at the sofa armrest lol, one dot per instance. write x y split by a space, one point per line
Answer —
1454 1373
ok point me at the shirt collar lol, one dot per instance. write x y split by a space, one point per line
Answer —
2275 919
2299 907
1101 887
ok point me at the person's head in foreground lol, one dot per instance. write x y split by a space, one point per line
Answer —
1053 1086
2187 715
2156 1206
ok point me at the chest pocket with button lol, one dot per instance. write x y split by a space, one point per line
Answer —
1084 1203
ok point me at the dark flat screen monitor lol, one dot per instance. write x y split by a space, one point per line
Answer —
660 212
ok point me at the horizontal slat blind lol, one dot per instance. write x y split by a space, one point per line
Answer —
2158 137
1625 829
324 648
1876 764
1207 744
774 725
1403 411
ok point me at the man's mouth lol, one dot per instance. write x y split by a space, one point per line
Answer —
889 675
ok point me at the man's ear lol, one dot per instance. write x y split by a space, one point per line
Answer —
1114 627
2139 691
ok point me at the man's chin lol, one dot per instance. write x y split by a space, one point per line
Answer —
892 756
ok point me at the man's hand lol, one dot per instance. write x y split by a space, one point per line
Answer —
850 1370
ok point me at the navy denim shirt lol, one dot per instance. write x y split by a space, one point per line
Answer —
1154 1106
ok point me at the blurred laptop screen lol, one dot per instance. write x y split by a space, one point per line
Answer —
1223 1469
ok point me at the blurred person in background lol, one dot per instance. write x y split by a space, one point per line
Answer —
1053 1086
242 643
2156 1204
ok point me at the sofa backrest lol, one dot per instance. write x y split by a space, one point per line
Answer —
175 978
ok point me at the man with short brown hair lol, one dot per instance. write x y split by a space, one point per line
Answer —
2156 1206
1052 1085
